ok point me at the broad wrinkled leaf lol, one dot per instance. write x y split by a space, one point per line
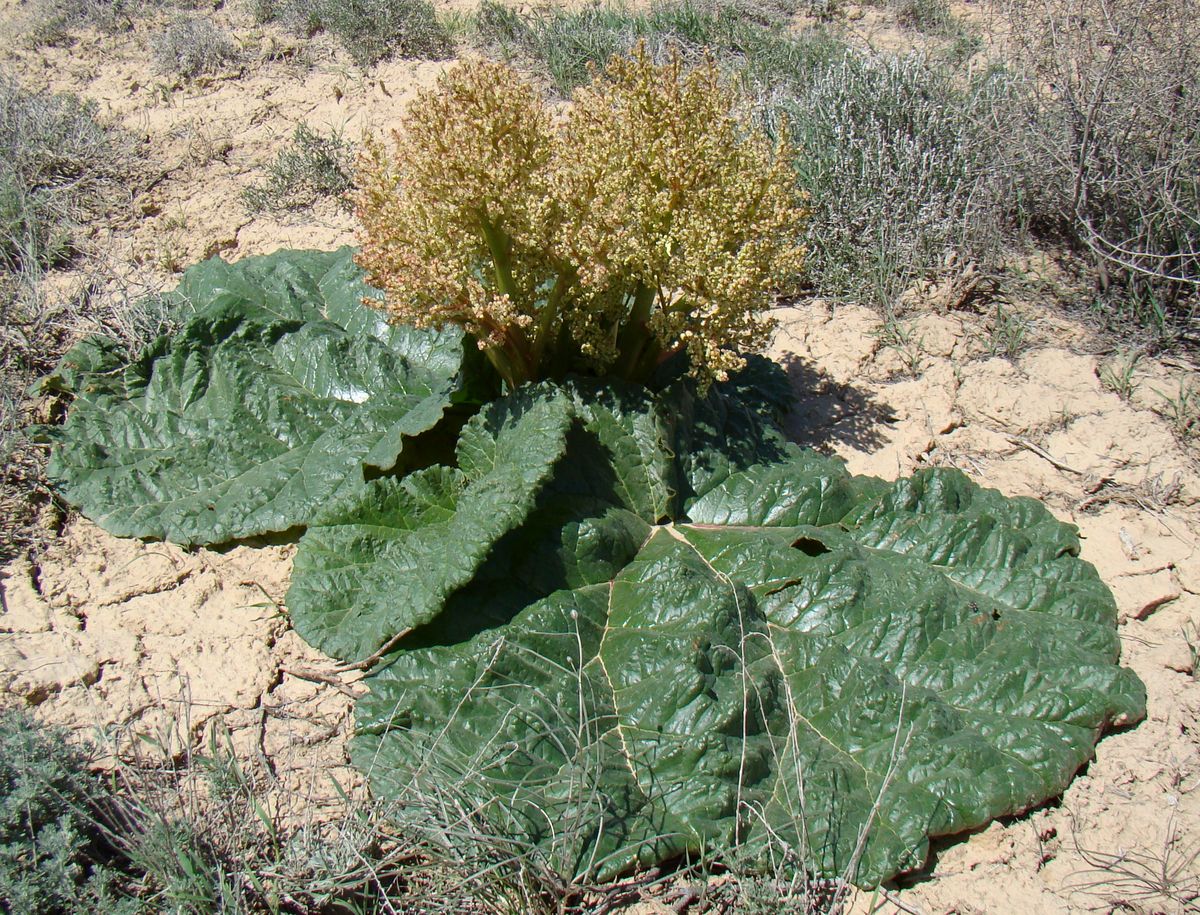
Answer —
800 661
272 399
385 560
732 428
624 626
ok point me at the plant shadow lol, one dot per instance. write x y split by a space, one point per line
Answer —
829 412
941 845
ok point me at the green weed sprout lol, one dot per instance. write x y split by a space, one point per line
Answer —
645 221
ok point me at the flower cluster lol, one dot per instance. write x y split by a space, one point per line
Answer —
646 221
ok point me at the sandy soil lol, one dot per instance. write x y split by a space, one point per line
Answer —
119 638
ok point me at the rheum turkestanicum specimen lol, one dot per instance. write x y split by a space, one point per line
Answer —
645 221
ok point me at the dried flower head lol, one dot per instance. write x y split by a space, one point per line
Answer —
454 223
663 190
648 222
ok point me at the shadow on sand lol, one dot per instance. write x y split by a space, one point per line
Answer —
829 412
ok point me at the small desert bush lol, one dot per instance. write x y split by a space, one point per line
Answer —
34 227
765 62
202 838
569 44
57 162
25 351
1117 119
904 164
156 834
369 30
51 860
928 16
51 22
59 167
299 16
572 44
312 167
192 46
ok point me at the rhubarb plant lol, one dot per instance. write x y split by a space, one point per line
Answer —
626 621
642 613
678 650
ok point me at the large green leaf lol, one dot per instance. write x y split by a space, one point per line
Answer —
385 560
624 626
276 394
801 661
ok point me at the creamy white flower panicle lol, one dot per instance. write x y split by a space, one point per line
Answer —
663 188
648 220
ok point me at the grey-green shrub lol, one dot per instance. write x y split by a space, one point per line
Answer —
33 224
929 16
500 27
299 16
59 166
192 46
52 22
569 43
905 167
1117 131
50 856
153 837
313 166
369 30
56 159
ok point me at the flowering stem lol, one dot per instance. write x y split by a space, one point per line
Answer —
651 357
522 364
500 363
505 352
563 353
636 332
498 244
549 312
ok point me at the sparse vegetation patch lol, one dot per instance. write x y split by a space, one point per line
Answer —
369 30
156 835
59 166
314 166
871 126
50 856
192 46
1118 134
54 21
56 163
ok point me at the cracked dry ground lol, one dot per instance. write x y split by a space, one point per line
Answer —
129 638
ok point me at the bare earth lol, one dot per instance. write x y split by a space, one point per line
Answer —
118 638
